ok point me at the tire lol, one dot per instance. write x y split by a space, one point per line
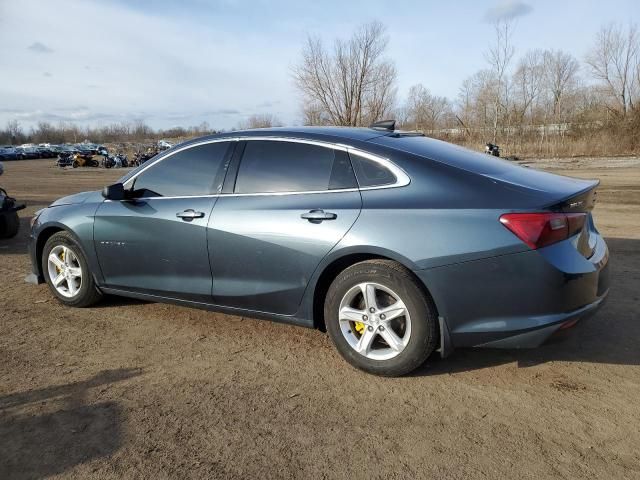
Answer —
416 334
87 294
75 164
9 224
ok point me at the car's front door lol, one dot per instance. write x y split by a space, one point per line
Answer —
156 242
290 205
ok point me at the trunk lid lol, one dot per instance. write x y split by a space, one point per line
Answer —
582 202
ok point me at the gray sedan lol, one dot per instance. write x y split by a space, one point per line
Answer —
398 245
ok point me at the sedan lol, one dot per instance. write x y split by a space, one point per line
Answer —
9 153
395 244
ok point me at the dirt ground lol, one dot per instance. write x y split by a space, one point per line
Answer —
142 390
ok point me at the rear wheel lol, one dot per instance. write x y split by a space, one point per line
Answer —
67 272
379 318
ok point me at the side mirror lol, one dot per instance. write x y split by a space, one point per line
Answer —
114 192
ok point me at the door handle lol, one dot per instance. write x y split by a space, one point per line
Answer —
189 214
317 216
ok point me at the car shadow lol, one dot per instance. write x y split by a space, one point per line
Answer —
65 430
610 336
109 301
19 243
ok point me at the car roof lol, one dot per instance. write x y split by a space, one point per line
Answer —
328 133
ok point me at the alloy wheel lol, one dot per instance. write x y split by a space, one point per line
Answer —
375 321
65 271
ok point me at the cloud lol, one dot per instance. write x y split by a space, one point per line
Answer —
47 74
268 104
507 11
220 74
39 48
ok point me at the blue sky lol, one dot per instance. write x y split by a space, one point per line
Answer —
184 62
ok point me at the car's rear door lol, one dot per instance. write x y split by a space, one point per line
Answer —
156 243
288 203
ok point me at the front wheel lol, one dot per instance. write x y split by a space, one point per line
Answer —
67 272
380 319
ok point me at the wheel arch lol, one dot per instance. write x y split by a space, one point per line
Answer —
44 235
337 264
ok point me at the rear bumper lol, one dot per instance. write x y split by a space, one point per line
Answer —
549 325
518 300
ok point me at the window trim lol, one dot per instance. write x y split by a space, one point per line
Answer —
402 179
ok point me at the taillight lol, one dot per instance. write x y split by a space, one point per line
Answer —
541 229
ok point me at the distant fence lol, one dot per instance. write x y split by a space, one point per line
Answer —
542 130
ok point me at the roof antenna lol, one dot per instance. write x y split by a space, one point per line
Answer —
389 125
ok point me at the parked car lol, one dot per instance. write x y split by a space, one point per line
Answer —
399 245
9 153
85 151
45 151
27 153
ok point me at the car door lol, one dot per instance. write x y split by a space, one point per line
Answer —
156 242
290 204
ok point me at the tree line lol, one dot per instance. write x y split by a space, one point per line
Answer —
541 102
69 132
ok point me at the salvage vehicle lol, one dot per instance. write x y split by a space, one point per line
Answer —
163 145
141 157
9 153
27 153
85 151
81 160
115 161
397 244
45 151
9 207
492 149
66 156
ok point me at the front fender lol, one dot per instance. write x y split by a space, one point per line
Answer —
75 219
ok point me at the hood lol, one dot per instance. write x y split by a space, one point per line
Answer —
77 198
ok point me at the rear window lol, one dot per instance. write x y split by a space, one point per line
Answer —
446 153
370 173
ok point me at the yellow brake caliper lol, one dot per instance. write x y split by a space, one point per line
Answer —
61 258
359 326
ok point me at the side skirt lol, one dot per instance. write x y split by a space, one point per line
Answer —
303 322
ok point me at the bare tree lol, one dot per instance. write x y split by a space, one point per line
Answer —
352 84
263 120
14 131
613 59
560 70
476 98
425 111
528 81
499 57
314 114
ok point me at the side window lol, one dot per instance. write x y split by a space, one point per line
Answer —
191 172
371 173
277 166
342 174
